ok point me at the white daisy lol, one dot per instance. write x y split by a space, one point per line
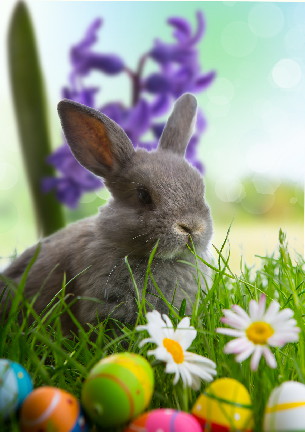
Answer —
257 331
171 348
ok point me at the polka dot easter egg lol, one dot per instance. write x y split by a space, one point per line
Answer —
117 389
15 385
224 406
285 410
164 420
51 409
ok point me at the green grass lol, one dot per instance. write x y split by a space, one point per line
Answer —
51 358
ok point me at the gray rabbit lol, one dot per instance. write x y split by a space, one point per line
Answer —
156 197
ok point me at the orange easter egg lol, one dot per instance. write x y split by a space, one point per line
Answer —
50 408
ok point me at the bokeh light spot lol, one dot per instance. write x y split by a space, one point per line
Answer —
229 190
287 73
266 20
295 38
222 92
265 185
237 39
262 157
8 176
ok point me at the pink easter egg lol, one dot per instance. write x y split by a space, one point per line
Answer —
165 420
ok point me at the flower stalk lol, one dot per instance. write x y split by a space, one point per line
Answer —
30 108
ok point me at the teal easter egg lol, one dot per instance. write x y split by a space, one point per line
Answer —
117 389
15 385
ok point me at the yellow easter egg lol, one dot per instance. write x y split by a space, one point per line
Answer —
225 406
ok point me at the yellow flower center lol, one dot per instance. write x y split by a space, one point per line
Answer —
175 349
259 332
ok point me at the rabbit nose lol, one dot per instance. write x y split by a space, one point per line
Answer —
184 229
188 228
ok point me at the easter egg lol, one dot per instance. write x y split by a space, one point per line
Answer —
51 409
15 385
164 420
117 389
285 410
224 406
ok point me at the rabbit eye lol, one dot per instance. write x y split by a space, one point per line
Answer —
144 196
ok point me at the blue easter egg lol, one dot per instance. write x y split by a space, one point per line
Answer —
15 385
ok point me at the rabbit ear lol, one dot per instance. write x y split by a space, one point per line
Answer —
96 141
179 127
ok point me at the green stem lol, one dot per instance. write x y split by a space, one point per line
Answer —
30 108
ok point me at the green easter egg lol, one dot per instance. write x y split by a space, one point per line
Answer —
117 389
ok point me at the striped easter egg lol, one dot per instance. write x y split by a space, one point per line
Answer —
164 420
224 406
117 389
285 410
51 409
15 385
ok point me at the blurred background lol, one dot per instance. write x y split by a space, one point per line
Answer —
252 146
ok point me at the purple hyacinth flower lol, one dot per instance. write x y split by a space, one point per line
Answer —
116 111
182 27
73 175
178 72
84 60
183 50
67 191
204 81
149 145
160 105
157 129
158 83
135 120
85 96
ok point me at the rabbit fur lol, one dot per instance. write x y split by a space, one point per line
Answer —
156 197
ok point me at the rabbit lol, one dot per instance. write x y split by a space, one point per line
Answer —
157 198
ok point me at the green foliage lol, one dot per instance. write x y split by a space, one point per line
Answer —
31 113
52 358
257 199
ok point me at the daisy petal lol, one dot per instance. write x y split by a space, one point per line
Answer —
283 315
196 383
258 351
253 310
185 375
279 340
185 336
189 366
272 310
230 332
196 358
261 307
167 321
269 357
241 312
245 354
234 320
238 345
185 323
145 341
202 373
